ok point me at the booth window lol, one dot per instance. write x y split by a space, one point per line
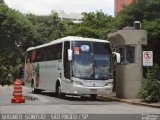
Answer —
127 54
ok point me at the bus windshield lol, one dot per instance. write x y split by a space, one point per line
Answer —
91 60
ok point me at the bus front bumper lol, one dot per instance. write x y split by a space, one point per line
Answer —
83 90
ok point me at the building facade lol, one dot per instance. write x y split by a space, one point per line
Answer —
120 4
74 17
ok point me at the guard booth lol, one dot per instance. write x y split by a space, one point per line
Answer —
128 42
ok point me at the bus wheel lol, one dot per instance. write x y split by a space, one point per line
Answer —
93 96
58 92
33 87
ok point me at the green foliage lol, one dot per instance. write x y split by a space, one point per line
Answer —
14 28
1 1
47 28
151 85
94 25
26 30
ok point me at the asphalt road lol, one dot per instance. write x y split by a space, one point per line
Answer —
48 103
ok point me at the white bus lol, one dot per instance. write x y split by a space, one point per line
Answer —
71 65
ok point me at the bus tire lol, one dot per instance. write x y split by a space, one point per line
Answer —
93 96
58 91
34 90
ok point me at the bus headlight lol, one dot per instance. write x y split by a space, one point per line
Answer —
77 83
109 84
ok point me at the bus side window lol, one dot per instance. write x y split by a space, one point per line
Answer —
43 54
38 59
33 55
65 60
59 55
28 58
56 51
50 55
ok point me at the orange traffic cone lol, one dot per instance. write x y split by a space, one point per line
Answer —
17 94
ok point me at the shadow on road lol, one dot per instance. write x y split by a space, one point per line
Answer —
75 98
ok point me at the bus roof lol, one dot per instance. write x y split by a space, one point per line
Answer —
68 38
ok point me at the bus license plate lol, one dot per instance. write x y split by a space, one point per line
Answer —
93 90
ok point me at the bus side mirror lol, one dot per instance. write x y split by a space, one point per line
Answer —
70 55
118 57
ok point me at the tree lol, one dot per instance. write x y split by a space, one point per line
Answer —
94 25
2 2
150 86
14 28
47 27
26 30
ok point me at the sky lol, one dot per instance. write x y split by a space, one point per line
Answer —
44 7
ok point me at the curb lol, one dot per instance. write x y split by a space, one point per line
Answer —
129 101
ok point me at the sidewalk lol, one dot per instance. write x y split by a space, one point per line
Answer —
131 101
